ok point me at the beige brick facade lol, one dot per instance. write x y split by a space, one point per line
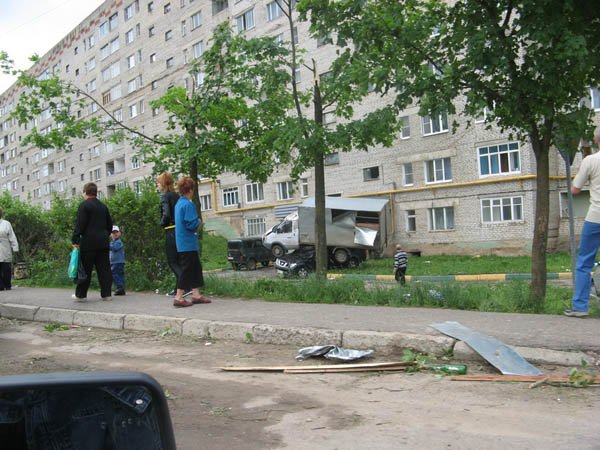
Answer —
157 40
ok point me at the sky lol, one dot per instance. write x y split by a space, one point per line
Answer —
35 26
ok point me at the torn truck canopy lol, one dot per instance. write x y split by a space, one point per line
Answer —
332 352
498 354
365 236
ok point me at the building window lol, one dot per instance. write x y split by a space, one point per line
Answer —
405 130
499 159
230 196
407 174
196 20
441 218
507 209
371 173
595 98
304 187
324 39
91 64
254 193
438 170
255 226
483 116
205 202
131 61
151 31
218 6
331 159
150 7
169 35
154 85
245 21
133 111
411 220
128 12
285 190
167 8
434 125
197 49
153 58
170 62
135 162
273 11
129 35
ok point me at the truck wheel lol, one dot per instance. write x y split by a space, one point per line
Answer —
353 263
302 272
251 264
265 263
277 250
341 256
235 266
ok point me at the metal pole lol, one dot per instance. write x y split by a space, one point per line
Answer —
572 243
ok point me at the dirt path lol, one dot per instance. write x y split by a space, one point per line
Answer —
212 409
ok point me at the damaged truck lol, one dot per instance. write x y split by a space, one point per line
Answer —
354 227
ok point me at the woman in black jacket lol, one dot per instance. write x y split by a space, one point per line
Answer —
168 199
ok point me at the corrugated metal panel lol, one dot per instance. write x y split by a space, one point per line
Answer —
284 210
351 204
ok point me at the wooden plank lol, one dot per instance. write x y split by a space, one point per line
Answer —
348 369
522 378
318 366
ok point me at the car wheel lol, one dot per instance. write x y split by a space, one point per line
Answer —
353 263
302 272
341 256
251 264
235 266
277 251
265 263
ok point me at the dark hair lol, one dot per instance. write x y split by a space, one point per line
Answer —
90 189
185 185
166 181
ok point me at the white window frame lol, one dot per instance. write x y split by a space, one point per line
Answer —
304 192
371 173
502 209
411 221
441 218
430 126
245 21
505 156
255 226
195 20
595 99
438 170
197 49
135 162
274 11
405 130
231 197
205 202
255 193
408 176
285 190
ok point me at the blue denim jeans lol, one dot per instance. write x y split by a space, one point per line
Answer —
588 248
118 274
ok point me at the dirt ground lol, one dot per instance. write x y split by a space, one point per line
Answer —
212 409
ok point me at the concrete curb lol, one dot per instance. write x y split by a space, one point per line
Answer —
385 343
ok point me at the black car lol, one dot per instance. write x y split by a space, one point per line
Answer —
247 253
301 262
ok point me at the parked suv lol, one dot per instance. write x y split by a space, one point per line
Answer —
247 253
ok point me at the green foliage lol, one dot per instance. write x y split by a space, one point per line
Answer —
31 227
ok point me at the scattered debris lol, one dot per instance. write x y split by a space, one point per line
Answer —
498 354
537 380
332 352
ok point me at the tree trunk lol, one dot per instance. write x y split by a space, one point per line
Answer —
320 231
540 231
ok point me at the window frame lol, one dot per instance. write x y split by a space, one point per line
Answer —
441 122
433 220
231 197
285 190
433 170
509 157
498 207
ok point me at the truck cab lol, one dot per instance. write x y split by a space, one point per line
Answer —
283 237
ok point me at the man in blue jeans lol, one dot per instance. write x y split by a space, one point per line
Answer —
589 171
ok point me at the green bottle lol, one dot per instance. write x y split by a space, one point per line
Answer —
450 369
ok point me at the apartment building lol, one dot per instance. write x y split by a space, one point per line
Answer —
469 192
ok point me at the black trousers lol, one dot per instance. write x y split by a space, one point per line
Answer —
5 276
171 250
101 261
400 275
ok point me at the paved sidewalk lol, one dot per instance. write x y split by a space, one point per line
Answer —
539 338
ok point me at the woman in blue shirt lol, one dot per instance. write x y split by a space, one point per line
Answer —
186 238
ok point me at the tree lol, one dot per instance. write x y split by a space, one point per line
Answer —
528 63
336 89
228 121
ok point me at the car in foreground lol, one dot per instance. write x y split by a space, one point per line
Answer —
301 262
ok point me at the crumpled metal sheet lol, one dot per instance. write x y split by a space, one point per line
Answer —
332 352
498 354
365 236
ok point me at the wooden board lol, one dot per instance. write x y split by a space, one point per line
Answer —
319 367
